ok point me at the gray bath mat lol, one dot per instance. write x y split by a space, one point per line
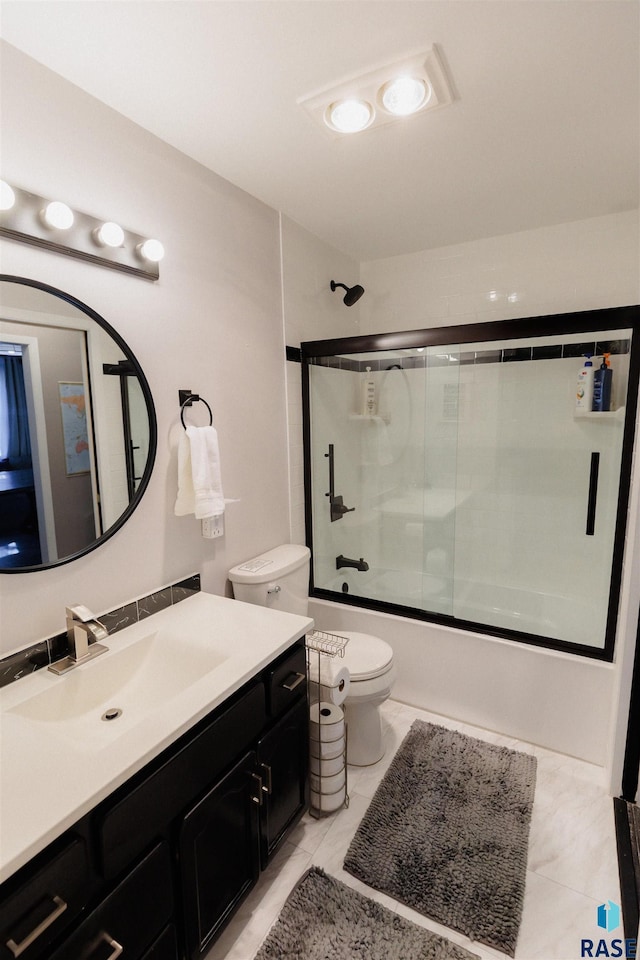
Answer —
447 833
323 919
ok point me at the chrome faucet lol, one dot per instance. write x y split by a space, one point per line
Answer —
83 633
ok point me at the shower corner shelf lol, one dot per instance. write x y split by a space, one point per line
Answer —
601 415
370 416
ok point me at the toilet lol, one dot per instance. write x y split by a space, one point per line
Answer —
279 579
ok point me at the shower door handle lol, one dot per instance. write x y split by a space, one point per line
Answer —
593 494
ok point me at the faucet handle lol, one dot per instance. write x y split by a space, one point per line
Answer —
79 612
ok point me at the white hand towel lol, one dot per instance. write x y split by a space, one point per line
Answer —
199 476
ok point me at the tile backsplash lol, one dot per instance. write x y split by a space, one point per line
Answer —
41 654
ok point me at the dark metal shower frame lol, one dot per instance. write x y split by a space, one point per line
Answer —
587 321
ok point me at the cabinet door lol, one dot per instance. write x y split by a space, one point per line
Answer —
35 914
218 849
130 918
283 764
165 947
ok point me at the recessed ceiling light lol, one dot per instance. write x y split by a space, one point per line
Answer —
349 116
58 215
405 95
382 96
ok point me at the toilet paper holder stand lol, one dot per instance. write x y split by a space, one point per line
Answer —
320 644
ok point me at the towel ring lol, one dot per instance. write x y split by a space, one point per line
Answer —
188 402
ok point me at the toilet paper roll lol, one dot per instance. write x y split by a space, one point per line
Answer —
327 785
327 767
328 802
326 722
336 695
327 751
332 676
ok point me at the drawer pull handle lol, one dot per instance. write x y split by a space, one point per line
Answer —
259 799
18 948
118 949
269 785
299 677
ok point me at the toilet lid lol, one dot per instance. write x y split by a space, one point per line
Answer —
365 656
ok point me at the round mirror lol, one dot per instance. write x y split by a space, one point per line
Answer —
77 428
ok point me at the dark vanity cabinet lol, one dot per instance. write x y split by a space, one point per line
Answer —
155 870
219 853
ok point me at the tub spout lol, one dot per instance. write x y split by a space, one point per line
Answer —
360 564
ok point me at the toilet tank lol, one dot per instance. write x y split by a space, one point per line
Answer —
278 579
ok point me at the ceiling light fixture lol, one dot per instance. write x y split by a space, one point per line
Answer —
33 219
405 95
350 116
410 86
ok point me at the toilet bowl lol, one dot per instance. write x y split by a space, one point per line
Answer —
370 663
279 579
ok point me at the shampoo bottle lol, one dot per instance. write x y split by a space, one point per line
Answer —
602 383
369 402
584 386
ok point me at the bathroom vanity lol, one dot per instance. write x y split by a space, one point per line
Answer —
141 839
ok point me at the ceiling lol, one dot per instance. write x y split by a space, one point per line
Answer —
543 130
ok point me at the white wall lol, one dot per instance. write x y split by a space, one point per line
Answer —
311 312
569 704
583 265
212 324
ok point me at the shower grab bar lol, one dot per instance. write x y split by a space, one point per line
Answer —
593 494
336 503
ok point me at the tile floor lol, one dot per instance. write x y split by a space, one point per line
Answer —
572 854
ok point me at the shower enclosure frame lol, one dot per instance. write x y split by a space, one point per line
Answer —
588 321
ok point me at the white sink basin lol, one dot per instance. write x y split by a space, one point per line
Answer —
135 680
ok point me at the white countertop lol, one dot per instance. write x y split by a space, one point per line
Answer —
52 771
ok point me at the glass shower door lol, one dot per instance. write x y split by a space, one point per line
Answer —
457 481
383 499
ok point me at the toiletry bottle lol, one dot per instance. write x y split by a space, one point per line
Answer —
602 383
368 395
584 386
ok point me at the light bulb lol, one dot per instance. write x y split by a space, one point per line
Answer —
110 235
151 250
7 196
57 215
349 116
405 95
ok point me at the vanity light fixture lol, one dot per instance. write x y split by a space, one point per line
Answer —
386 95
109 234
58 215
151 250
7 196
29 218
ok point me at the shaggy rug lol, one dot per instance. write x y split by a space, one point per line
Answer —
325 920
447 833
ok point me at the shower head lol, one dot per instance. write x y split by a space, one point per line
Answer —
352 295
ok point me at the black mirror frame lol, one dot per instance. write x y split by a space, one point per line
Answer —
153 424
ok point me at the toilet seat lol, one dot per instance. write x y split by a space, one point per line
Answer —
378 688
365 656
